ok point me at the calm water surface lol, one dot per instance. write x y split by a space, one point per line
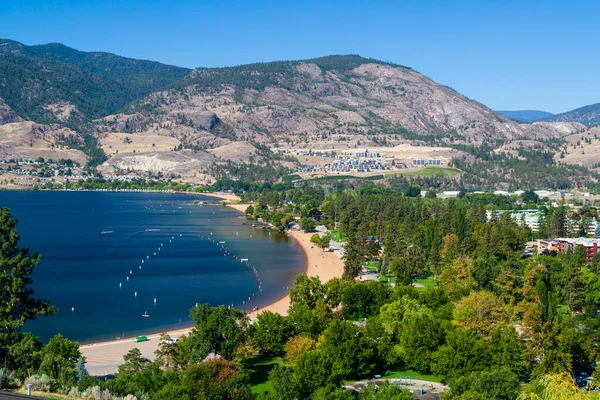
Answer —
84 272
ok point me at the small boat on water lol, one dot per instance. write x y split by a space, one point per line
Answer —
221 242
106 232
152 230
145 314
244 260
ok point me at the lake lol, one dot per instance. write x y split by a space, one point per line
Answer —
108 258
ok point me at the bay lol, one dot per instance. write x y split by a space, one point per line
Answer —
175 242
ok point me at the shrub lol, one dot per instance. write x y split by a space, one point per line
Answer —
7 378
96 393
41 383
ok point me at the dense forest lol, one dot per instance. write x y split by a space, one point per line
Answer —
97 84
526 168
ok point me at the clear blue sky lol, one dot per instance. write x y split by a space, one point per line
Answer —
506 54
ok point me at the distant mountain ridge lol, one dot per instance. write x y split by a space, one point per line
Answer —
587 115
152 118
35 81
526 115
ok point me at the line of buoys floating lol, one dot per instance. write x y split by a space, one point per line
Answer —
222 247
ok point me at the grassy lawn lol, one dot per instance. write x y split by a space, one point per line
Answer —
259 374
427 281
432 171
336 236
372 265
415 375
384 278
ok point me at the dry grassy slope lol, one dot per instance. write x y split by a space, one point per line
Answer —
582 148
21 139
28 140
317 108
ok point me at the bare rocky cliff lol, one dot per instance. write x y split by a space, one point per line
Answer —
305 103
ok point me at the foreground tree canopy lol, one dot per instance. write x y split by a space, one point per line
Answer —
457 300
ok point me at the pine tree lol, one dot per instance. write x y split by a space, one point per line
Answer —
17 304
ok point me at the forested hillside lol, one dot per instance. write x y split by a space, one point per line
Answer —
54 83
587 115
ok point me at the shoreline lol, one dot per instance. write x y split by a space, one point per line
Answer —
103 357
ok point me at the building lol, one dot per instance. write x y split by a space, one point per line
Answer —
563 245
423 162
367 154
529 218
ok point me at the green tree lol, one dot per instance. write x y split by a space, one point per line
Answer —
497 383
271 332
529 196
462 354
314 370
284 383
306 290
324 242
217 329
17 304
307 224
215 379
353 258
364 299
59 359
134 362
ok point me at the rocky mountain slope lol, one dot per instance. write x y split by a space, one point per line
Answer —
325 101
588 116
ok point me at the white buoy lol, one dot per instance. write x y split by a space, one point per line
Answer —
127 279
130 272
120 284
147 256
154 253
180 235
155 300
142 261
135 294
140 267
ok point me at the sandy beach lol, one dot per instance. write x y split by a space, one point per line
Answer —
104 357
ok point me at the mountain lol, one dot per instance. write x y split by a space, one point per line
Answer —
587 115
526 115
325 100
54 83
151 118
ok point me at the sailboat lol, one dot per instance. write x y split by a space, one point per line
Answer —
145 314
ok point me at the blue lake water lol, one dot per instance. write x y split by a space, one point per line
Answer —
84 272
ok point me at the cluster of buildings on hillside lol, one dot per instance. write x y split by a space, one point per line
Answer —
420 162
347 164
